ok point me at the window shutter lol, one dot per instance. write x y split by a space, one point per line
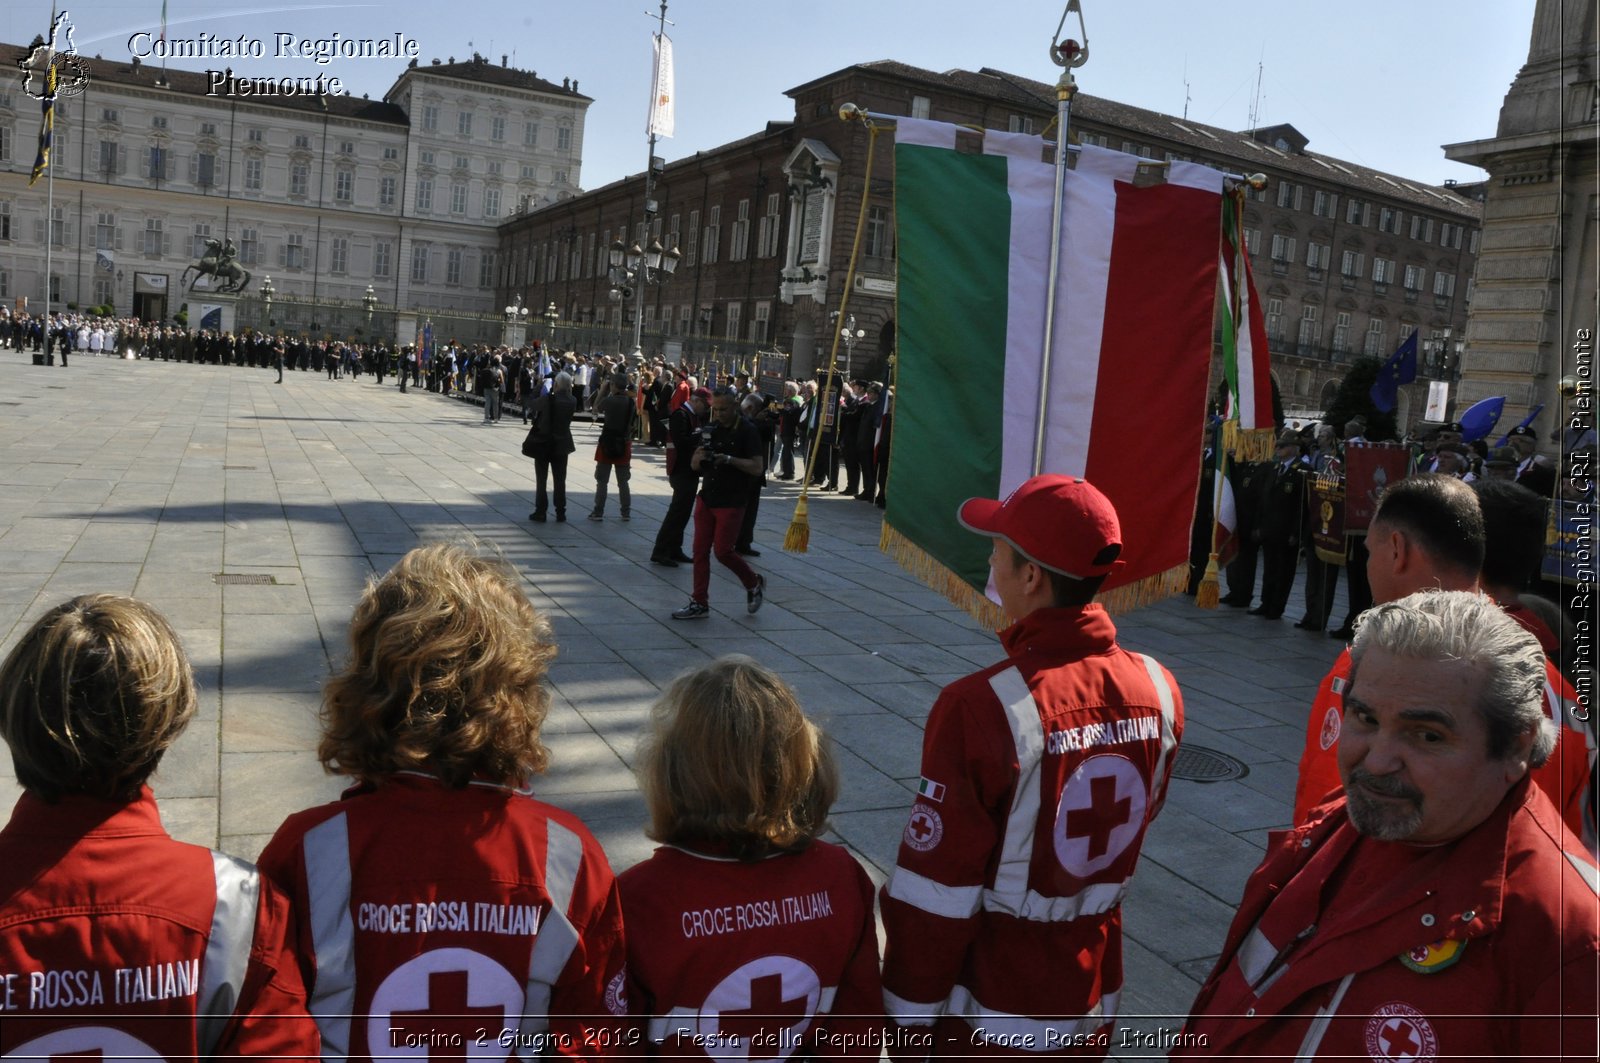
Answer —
38 230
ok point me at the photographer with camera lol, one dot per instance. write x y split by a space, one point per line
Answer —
683 439
728 457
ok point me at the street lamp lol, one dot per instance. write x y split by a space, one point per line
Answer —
1445 359
267 291
851 336
551 316
633 268
515 332
369 302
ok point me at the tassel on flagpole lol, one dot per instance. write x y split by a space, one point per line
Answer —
1209 594
798 538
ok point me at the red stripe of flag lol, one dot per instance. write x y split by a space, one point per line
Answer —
1150 401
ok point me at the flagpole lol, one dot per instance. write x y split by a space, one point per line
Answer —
49 171
1069 55
649 187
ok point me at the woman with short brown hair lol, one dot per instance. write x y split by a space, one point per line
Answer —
92 886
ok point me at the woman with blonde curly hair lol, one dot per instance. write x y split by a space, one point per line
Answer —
747 936
437 897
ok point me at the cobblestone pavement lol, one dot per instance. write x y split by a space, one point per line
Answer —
150 478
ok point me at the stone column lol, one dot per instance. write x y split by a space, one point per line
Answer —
1536 281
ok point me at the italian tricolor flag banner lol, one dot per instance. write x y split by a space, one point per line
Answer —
1129 357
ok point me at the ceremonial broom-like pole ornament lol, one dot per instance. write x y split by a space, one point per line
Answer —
1069 55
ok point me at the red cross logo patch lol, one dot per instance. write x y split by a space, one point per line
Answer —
924 828
102 1043
1101 813
1399 1033
761 1011
434 1006
1331 723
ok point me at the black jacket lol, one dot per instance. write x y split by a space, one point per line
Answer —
552 421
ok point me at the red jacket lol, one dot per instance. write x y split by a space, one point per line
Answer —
454 918
759 960
116 941
1040 776
1349 948
1564 776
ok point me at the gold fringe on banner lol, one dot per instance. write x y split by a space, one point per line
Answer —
1249 444
921 564
1328 557
1145 592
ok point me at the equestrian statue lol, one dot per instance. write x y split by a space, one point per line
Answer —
221 263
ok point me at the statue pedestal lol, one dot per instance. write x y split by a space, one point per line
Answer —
406 329
217 311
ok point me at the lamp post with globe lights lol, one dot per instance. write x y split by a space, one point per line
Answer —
516 324
267 292
632 269
851 336
552 316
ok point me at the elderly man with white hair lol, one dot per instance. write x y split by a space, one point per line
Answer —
1440 909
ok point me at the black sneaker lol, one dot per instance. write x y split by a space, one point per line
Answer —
747 551
756 595
692 611
663 560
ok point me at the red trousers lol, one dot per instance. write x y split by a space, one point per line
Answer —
716 530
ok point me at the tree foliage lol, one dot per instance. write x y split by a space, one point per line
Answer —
1355 397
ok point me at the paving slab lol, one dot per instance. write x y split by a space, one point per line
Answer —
185 471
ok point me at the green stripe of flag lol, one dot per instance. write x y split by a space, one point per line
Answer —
952 229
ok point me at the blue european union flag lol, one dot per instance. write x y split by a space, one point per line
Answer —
1401 368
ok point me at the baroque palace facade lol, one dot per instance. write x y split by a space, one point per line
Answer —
1347 259
327 194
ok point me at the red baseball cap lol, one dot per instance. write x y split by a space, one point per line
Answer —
1062 522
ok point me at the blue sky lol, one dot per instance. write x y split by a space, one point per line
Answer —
1380 82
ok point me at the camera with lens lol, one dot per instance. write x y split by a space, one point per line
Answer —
717 458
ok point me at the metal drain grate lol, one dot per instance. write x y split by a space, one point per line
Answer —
241 579
1199 764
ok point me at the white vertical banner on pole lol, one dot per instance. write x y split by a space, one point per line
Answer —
661 108
1438 400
